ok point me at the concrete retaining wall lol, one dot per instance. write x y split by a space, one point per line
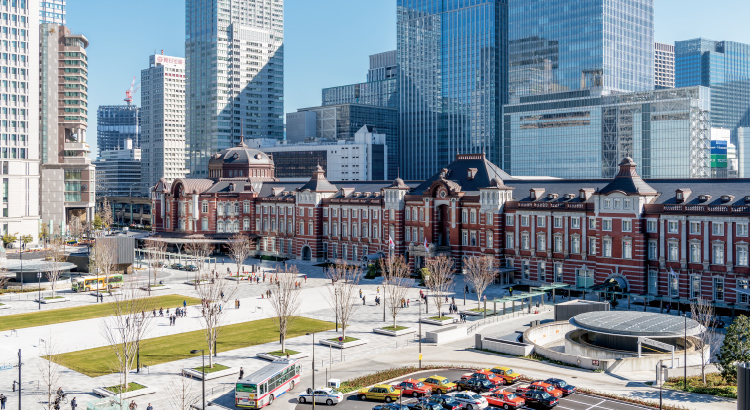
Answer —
446 334
507 347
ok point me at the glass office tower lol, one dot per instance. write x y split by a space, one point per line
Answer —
725 67
115 124
452 58
567 45
234 52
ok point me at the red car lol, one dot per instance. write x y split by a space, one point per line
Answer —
412 387
484 375
506 400
543 387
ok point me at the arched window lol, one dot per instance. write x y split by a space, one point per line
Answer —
273 225
289 224
310 227
236 226
257 224
246 223
490 240
237 208
220 226
335 229
364 230
464 216
301 228
282 225
181 224
355 232
344 230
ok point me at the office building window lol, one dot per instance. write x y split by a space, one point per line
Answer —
524 220
718 228
653 282
558 273
592 223
651 226
575 223
673 227
509 240
542 268
627 248
525 269
695 286
525 241
558 222
742 258
509 220
606 224
541 243
674 286
607 248
652 249
742 229
718 289
592 246
695 252
695 228
673 251
558 244
584 278
718 254
627 225
575 244
742 288
541 221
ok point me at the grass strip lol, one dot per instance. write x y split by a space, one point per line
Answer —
208 370
346 339
440 318
99 361
119 388
394 328
95 310
715 385
283 354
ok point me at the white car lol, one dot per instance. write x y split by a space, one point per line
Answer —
322 395
470 400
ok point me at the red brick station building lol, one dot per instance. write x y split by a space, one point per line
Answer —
626 233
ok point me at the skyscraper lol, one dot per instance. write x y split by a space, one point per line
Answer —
663 66
115 124
52 11
452 59
725 67
568 45
162 120
19 130
234 51
67 186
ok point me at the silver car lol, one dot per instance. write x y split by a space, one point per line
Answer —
322 395
471 400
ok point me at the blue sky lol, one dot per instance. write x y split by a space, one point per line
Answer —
327 42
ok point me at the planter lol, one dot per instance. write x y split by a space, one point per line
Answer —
210 376
343 345
46 301
448 321
475 313
193 283
394 333
155 288
238 278
273 357
103 392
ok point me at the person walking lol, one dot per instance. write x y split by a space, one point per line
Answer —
74 404
363 300
150 407
242 373
305 278
3 399
184 304
510 290
133 406
360 293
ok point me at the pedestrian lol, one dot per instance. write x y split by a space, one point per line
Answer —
73 404
242 372
149 407
510 290
360 293
133 406
305 278
184 303
3 399
378 290
363 300
102 298
14 386
407 302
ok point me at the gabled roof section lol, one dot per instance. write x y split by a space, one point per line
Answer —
458 173
628 181
193 185
319 183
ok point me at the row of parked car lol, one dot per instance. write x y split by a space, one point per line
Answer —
474 391
179 266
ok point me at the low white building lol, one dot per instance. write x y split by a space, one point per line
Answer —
364 159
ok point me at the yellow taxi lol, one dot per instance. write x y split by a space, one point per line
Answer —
506 373
384 392
438 384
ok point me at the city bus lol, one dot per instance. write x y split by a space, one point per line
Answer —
265 385
90 283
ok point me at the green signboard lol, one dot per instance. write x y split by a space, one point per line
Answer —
718 161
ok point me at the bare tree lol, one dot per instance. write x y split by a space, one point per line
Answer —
440 279
154 253
708 341
479 272
285 300
395 284
181 393
55 260
50 371
214 293
106 214
342 292
239 249
123 330
105 257
200 251
75 227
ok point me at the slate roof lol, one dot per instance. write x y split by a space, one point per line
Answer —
458 173
241 155
190 184
628 181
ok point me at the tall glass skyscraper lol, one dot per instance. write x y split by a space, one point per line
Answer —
115 124
566 45
234 51
725 67
452 57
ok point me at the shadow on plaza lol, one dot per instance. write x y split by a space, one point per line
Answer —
675 395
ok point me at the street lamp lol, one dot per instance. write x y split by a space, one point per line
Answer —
420 333
203 381
39 281
313 367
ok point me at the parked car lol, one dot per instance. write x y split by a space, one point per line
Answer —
485 375
439 384
177 266
391 406
424 405
384 392
471 400
561 385
476 385
541 386
191 268
321 395
506 373
538 398
413 387
446 402
506 400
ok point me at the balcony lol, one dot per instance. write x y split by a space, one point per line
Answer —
77 146
78 160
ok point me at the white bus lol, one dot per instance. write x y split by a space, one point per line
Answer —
265 385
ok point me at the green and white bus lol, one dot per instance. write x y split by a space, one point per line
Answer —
265 385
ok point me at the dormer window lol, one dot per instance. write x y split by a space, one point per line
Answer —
727 198
532 194
682 194
551 196
569 196
679 196
747 198
704 198
471 173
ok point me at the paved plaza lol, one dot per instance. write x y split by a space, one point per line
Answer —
380 352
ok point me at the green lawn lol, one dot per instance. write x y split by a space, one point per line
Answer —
346 339
217 368
394 329
53 297
131 387
91 311
96 362
283 354
440 318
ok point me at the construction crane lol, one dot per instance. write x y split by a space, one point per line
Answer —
129 93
